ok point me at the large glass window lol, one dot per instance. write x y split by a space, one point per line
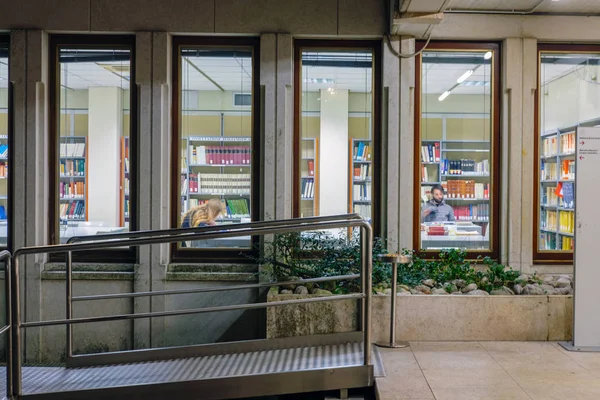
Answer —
456 151
4 100
336 130
91 155
567 98
216 136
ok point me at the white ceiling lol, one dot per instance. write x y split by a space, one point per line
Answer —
575 6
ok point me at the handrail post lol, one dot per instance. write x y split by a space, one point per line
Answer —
16 328
367 249
394 259
9 358
69 302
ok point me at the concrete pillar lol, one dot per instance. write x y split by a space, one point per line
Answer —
285 126
105 129
333 164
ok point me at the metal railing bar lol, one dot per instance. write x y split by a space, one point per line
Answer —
214 289
6 257
4 329
191 311
173 231
222 233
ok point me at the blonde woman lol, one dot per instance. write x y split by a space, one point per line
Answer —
203 214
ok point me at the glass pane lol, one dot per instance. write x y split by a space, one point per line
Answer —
568 98
336 135
456 149
94 142
3 144
216 141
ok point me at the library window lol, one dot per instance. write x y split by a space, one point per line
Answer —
92 137
456 156
336 129
567 99
4 103
216 135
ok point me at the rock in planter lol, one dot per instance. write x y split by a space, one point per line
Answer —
322 292
459 283
548 280
524 278
503 291
518 289
549 289
387 291
455 293
403 292
449 287
563 283
286 291
428 282
415 291
290 286
301 290
470 288
563 290
423 289
478 292
438 291
533 290
404 287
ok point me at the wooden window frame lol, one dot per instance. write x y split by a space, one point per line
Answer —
377 88
495 142
215 255
556 257
90 42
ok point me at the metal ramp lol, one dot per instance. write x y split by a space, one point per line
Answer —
213 371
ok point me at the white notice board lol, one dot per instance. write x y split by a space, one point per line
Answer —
586 328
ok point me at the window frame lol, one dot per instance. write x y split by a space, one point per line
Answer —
375 46
5 43
495 145
557 257
215 255
90 42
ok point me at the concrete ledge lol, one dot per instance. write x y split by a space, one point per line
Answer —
247 268
91 276
91 267
433 318
212 276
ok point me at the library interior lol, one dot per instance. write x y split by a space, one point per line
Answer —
375 199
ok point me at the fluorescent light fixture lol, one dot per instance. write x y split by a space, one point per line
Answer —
444 95
464 76
487 55
319 80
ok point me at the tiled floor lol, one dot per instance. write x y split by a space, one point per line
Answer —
488 370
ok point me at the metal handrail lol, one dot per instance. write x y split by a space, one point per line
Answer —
6 257
167 236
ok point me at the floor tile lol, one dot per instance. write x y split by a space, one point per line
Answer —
559 392
504 392
438 378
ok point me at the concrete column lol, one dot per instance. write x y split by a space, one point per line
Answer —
391 145
143 200
105 128
405 172
511 150
285 126
333 165
268 79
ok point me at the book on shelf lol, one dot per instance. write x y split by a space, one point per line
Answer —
549 146
567 222
311 167
307 190
362 172
549 171
566 243
73 149
3 151
69 190
549 220
465 166
218 183
568 169
362 150
568 195
466 189
472 212
364 210
219 155
3 169
430 153
71 168
361 192
567 143
73 210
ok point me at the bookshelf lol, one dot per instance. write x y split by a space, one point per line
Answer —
557 190
3 177
73 178
361 173
309 179
125 194
462 167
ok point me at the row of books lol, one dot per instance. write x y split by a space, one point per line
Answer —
566 243
549 220
566 221
126 210
430 153
74 210
310 167
72 168
550 170
361 191
362 151
216 184
71 190
3 151
126 186
72 150
473 212
567 143
547 241
549 146
307 189
362 172
466 189
219 155
465 166
3 169
364 210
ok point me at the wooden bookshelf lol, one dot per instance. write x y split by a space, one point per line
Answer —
124 183
360 177
73 178
309 177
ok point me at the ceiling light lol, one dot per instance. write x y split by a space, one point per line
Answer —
487 55
464 76
444 95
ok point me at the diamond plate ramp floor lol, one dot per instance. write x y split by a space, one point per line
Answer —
38 380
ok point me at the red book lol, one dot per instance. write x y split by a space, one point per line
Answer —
437 151
311 169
